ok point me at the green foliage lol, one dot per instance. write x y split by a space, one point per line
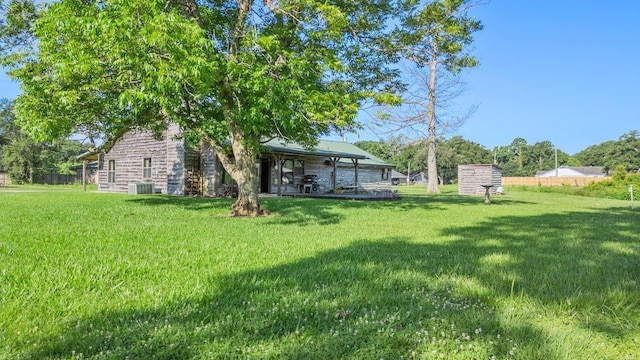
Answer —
128 61
615 188
596 155
392 150
611 154
450 152
379 149
16 21
440 31
620 173
162 278
458 151
522 159
6 121
23 159
229 73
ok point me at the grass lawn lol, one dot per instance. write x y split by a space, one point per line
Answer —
110 276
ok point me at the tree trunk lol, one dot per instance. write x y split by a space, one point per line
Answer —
248 203
432 165
243 171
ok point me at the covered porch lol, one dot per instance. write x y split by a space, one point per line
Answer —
86 158
289 169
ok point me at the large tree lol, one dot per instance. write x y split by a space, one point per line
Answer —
625 152
434 39
522 159
231 73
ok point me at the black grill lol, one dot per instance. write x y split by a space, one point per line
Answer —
310 179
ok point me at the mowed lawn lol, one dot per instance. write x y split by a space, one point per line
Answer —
111 276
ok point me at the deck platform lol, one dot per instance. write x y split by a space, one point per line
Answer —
344 196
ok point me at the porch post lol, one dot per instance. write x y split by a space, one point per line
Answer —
355 164
334 161
280 173
84 175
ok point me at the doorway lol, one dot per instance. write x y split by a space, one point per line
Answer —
265 176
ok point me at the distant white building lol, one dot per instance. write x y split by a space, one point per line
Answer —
571 171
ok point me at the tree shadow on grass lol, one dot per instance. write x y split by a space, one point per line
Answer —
368 300
304 211
584 263
396 297
185 202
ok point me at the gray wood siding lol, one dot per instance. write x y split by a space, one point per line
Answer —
472 177
179 170
129 154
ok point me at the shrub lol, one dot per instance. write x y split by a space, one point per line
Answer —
615 188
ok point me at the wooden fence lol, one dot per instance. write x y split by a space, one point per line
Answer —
49 179
54 179
576 181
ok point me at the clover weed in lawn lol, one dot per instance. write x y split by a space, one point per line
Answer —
110 276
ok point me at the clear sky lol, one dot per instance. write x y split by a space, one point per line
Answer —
567 71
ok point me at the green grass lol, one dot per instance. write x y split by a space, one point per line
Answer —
109 276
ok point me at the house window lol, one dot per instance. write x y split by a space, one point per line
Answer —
111 174
146 168
385 174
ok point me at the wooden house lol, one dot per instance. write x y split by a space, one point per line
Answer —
140 163
471 179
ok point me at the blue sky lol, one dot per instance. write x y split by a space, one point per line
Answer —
557 70
567 71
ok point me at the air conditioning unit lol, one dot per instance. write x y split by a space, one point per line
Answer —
141 188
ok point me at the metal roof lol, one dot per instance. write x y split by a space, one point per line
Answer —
89 156
327 148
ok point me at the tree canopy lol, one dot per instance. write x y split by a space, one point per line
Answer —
624 152
231 73
519 158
